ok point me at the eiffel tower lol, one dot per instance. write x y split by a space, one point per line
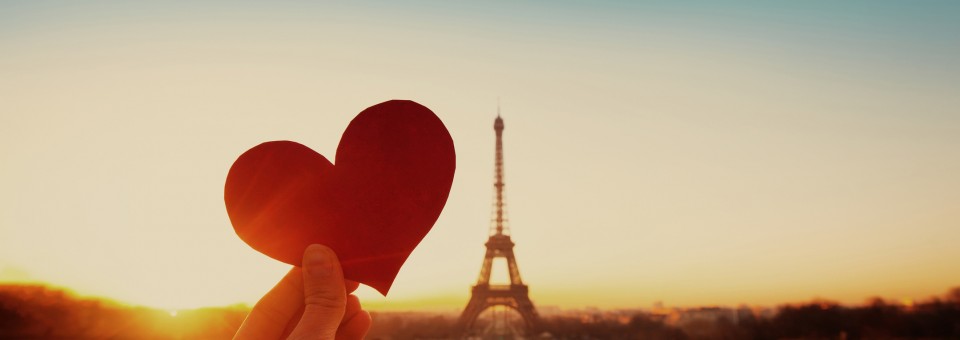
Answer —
514 295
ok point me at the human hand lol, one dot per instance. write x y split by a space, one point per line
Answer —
310 302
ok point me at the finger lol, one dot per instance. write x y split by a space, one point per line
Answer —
269 316
324 294
351 310
356 327
351 286
294 320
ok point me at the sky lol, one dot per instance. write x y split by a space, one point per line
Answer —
704 153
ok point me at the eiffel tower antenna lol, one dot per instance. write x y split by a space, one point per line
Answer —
514 295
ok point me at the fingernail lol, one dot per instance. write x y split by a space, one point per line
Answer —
317 261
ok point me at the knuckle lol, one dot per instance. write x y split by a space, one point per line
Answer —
326 301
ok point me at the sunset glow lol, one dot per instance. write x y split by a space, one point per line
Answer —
759 154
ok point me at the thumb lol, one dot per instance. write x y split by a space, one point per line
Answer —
325 296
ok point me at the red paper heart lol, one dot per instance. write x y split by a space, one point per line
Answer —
394 167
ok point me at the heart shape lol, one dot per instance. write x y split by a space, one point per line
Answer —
394 168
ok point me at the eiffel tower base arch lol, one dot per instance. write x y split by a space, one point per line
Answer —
486 296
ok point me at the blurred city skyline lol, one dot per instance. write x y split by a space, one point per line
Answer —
38 312
696 154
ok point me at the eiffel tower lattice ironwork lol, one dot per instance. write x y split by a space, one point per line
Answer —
514 295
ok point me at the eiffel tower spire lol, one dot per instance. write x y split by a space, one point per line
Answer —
498 181
516 294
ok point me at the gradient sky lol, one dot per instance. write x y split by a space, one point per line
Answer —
694 154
